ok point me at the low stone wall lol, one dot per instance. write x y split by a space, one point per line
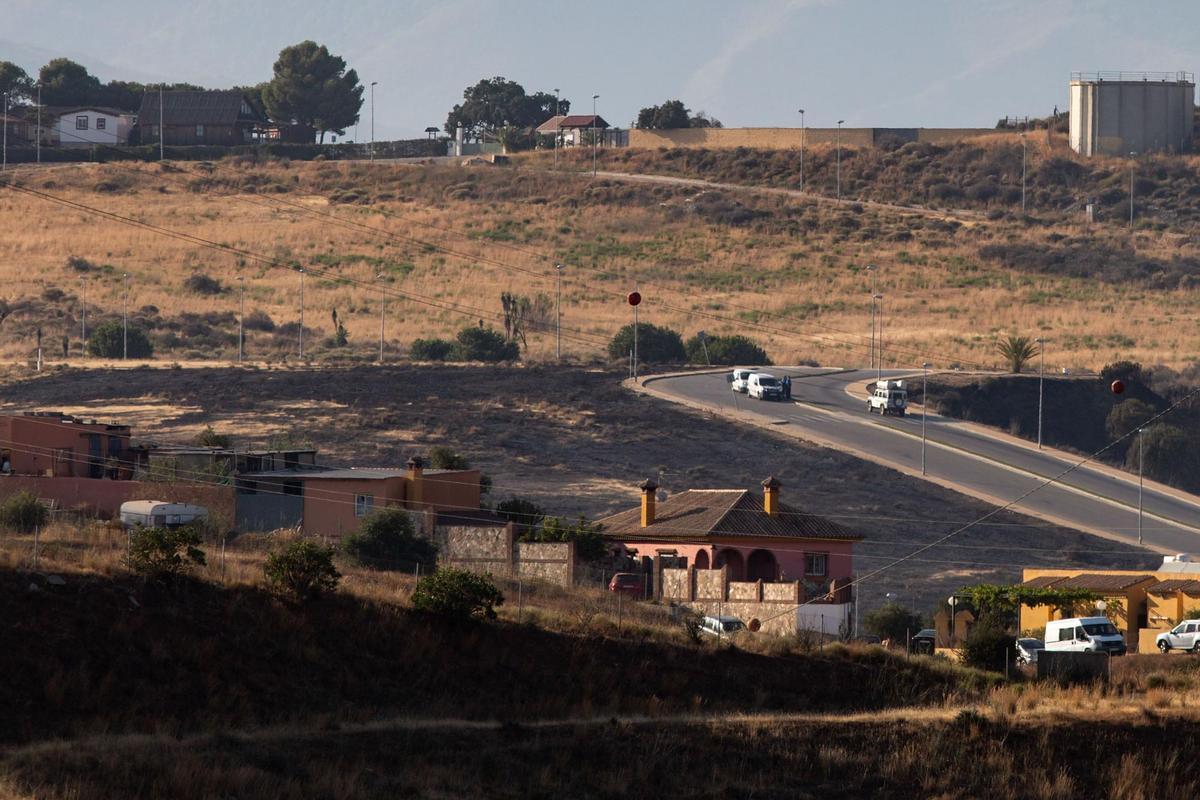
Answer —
776 606
494 550
787 138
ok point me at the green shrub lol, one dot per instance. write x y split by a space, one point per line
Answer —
726 351
589 544
163 553
457 593
484 344
107 340
655 345
524 514
431 349
303 569
387 539
23 512
989 646
893 621
442 457
199 283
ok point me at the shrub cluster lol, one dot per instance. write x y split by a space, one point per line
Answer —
387 539
656 345
725 351
303 569
164 553
23 512
471 344
457 593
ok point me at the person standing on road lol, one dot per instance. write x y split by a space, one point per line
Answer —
787 387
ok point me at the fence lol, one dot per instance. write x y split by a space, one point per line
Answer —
404 148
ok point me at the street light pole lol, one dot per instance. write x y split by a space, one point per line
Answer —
924 410
879 360
301 313
871 269
1023 173
125 320
4 164
1141 461
382 316
1041 384
556 128
1132 155
241 315
839 159
595 97
38 138
373 119
83 317
558 316
802 138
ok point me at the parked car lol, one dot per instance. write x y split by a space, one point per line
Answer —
721 626
924 642
1028 649
1084 635
630 584
1184 636
739 380
764 386
888 397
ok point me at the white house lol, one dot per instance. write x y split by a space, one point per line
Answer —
90 125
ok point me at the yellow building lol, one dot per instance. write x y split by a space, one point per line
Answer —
1141 604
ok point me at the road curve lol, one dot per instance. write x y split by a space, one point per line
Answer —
1089 498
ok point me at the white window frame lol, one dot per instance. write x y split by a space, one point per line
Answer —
364 504
808 571
81 122
101 124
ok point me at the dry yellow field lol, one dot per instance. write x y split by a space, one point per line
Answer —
440 244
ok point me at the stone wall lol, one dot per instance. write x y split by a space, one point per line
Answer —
776 606
785 138
493 550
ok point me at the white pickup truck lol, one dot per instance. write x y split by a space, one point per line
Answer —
888 397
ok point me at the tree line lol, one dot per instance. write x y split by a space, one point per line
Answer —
311 89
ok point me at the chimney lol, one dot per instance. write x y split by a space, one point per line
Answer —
648 488
771 495
414 482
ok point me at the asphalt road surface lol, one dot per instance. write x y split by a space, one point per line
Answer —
956 454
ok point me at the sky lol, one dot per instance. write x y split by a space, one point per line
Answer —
749 63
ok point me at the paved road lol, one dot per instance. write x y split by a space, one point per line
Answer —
1088 499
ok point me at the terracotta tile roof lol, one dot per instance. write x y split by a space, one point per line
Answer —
1044 581
1102 583
1185 585
716 513
571 121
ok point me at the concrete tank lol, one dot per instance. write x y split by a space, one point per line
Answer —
1116 113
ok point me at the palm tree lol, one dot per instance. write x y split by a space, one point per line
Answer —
1017 350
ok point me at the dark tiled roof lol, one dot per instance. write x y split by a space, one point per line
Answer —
199 108
1185 585
571 121
1043 581
714 513
1102 583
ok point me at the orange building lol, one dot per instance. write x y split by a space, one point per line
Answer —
52 444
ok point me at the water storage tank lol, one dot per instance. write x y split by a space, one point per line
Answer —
1118 113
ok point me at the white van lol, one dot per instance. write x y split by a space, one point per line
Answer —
739 381
764 386
1084 635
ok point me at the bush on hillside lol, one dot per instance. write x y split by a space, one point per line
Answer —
989 646
484 344
164 553
893 621
199 283
107 340
442 457
1127 416
457 593
524 514
258 320
655 345
387 539
725 351
302 569
210 438
23 513
1170 456
431 350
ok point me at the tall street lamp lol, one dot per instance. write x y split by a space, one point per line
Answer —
302 313
839 159
83 316
373 83
924 410
1041 384
4 163
382 316
125 320
871 269
595 97
557 128
558 316
241 315
1141 461
879 347
802 137
38 138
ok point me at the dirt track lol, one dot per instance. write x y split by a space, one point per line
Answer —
577 443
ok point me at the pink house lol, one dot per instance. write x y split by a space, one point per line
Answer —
755 537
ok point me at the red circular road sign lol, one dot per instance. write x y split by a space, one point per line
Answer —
1118 387
634 298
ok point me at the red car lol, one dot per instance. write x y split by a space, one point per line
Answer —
630 584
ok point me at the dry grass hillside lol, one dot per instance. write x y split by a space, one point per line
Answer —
787 272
